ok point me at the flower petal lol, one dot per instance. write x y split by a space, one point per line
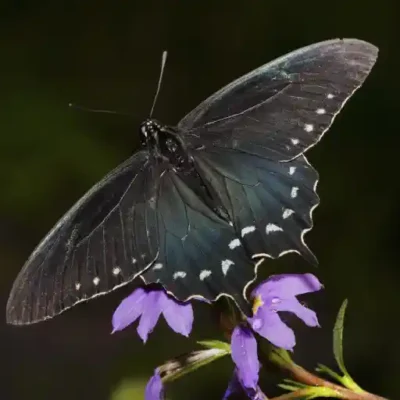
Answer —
154 388
233 387
287 285
268 324
129 310
244 355
179 316
236 387
150 315
309 317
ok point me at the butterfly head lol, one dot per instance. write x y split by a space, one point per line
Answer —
149 131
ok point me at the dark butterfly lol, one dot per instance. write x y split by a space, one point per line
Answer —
201 202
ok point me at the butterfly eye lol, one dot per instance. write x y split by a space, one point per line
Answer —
144 130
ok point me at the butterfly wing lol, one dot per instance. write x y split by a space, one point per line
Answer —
282 108
200 254
270 203
104 241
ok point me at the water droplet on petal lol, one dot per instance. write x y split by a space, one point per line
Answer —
256 324
275 300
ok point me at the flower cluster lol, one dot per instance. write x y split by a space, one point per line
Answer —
272 296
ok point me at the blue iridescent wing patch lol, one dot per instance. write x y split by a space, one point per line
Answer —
199 252
270 203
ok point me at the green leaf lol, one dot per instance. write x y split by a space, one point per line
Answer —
325 370
346 380
189 362
289 388
215 344
338 338
295 383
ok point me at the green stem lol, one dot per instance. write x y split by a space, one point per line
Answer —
298 394
304 376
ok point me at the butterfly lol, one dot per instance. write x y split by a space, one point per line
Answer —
200 204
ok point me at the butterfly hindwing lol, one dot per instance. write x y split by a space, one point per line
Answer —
200 255
270 203
282 108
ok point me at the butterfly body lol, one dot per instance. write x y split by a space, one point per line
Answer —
200 203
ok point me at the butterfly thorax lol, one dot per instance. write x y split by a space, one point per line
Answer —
164 143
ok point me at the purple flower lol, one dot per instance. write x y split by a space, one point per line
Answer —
154 388
244 355
235 386
279 293
149 305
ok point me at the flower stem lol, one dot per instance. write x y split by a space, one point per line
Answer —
298 394
304 376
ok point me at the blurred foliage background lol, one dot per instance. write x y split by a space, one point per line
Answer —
106 54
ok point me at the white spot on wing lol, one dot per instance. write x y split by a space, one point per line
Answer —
204 274
293 192
226 264
294 141
179 274
321 111
330 96
116 271
292 170
248 229
157 266
308 127
287 213
234 243
96 281
272 228
77 285
134 260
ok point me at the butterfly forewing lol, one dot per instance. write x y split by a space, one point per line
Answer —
103 242
282 108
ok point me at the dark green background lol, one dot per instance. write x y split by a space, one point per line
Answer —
106 54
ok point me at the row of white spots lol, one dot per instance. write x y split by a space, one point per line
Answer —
308 127
226 264
234 243
287 212
179 274
272 228
157 266
96 280
248 229
204 274
293 192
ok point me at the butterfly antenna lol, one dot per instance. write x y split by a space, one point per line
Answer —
163 61
94 110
